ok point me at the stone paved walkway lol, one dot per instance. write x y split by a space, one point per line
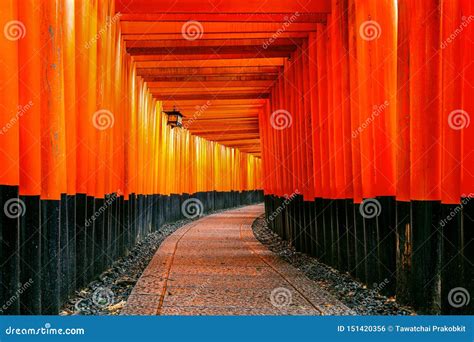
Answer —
215 266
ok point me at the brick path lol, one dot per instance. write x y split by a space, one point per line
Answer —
215 266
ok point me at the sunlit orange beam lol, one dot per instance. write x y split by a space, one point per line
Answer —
227 17
219 43
152 27
218 6
253 62
210 84
206 71
178 36
176 56
211 97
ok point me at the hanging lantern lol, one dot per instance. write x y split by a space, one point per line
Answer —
175 118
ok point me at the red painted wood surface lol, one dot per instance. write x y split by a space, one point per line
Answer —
76 117
380 106
377 97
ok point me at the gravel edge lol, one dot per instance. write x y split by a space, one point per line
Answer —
108 294
352 293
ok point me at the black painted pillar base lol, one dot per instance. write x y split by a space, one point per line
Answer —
404 251
457 271
81 261
426 256
386 230
71 226
30 264
11 208
50 257
51 248
405 248
100 242
63 250
90 234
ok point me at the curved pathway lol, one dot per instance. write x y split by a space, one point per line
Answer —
215 266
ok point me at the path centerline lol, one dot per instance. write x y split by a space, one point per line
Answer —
216 266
